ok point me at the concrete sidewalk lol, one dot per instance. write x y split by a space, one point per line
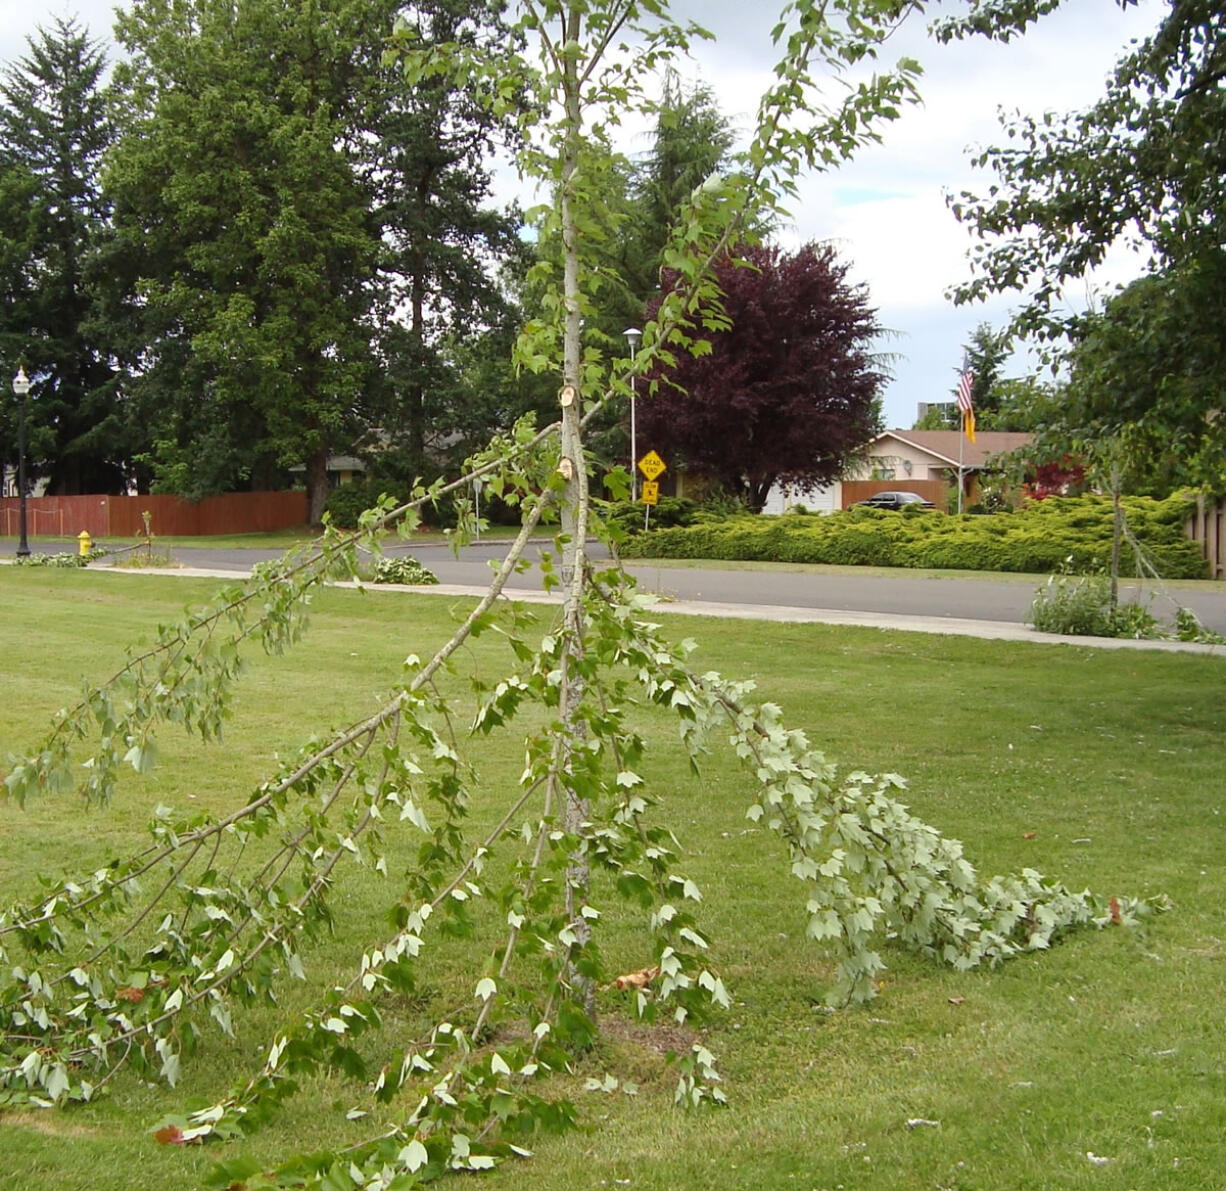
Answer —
993 630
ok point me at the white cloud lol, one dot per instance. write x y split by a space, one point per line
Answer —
886 210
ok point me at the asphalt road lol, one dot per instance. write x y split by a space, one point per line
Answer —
1001 598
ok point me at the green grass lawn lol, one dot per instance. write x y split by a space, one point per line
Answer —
1099 768
281 539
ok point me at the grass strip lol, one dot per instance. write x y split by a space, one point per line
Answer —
1097 768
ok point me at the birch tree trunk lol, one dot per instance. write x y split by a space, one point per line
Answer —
575 810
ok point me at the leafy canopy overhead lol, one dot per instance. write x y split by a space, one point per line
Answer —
1143 167
788 390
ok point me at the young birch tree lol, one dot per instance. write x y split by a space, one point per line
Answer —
127 964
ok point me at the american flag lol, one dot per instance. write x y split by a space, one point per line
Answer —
966 382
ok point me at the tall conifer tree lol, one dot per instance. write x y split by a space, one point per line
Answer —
53 218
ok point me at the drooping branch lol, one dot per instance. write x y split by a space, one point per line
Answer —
866 865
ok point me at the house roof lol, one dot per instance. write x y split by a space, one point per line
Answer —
943 444
337 463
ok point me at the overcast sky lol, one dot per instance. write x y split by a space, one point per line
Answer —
886 212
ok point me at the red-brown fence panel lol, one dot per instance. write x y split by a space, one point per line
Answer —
170 516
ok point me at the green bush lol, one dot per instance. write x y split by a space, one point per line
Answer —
1080 605
348 502
672 510
402 569
1043 536
50 560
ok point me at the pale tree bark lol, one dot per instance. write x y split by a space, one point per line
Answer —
1117 532
574 505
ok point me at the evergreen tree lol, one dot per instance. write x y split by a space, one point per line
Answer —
53 220
1000 403
443 310
986 353
691 141
234 189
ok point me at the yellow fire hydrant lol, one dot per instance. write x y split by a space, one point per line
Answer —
87 543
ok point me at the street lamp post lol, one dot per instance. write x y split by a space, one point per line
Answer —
21 386
633 336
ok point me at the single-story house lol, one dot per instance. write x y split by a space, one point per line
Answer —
935 454
342 469
922 461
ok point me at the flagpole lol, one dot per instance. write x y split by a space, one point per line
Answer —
961 439
966 408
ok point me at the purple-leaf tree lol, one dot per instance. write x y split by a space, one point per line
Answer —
787 393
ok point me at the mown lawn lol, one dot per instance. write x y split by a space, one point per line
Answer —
1096 767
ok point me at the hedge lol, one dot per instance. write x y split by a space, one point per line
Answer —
1044 536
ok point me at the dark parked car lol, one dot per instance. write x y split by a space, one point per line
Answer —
896 500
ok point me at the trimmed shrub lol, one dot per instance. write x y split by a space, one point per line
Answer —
672 510
1043 537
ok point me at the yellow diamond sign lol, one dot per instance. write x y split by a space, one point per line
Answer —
652 466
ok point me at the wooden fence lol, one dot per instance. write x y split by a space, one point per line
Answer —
122 516
1208 527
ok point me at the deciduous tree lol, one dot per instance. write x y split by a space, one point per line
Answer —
457 1093
1144 166
235 190
1147 370
325 243
788 391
